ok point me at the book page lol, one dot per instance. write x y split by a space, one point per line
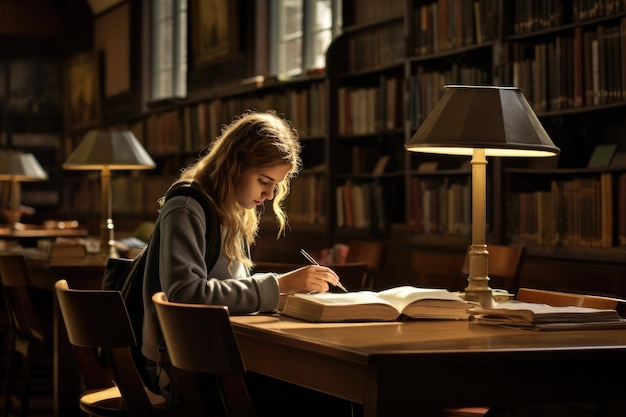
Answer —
350 298
405 295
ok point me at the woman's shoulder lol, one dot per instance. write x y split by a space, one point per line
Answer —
192 201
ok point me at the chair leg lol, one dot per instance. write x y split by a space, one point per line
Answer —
16 402
26 378
235 396
11 376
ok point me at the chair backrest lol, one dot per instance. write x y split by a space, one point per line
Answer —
199 338
504 266
370 252
353 275
553 298
559 298
97 319
23 316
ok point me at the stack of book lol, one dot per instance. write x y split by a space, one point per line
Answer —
545 317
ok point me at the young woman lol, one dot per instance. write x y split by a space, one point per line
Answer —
253 160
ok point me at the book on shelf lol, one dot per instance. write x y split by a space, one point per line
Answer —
601 156
545 317
398 303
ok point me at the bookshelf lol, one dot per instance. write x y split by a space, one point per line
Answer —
31 120
570 61
384 74
367 162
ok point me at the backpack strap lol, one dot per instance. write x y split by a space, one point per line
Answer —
213 224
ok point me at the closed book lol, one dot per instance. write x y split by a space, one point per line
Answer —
543 316
404 302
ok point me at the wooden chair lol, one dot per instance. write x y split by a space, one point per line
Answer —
200 339
97 320
558 298
504 266
553 298
370 252
30 338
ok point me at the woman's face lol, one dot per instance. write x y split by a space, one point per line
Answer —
255 185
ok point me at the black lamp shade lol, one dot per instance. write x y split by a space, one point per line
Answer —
497 119
115 150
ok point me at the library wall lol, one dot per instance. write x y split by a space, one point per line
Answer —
384 74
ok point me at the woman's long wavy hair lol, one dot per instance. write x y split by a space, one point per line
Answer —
253 139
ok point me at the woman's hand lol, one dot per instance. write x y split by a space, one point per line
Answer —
308 279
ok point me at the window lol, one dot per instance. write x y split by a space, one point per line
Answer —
303 31
169 49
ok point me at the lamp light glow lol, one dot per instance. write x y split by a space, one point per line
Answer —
481 121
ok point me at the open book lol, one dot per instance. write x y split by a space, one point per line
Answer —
545 317
388 305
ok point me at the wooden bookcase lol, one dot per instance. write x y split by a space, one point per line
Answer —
570 64
31 120
384 74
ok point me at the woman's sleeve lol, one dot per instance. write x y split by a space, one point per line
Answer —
184 275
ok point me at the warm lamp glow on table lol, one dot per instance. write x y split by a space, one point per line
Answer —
17 167
481 121
105 151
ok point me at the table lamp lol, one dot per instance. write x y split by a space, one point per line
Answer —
107 150
481 121
17 167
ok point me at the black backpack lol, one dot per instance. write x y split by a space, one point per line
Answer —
126 275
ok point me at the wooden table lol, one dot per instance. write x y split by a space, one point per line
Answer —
40 232
396 369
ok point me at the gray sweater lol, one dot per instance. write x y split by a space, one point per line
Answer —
176 264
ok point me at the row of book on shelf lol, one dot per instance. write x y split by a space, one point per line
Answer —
584 67
445 25
580 212
307 199
131 194
362 205
440 206
426 86
366 110
193 128
375 49
30 140
415 303
529 18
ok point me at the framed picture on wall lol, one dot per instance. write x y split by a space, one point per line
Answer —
214 31
82 91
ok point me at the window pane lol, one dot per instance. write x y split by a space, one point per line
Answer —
323 14
292 17
321 41
169 49
303 32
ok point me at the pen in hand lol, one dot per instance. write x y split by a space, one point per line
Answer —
314 262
